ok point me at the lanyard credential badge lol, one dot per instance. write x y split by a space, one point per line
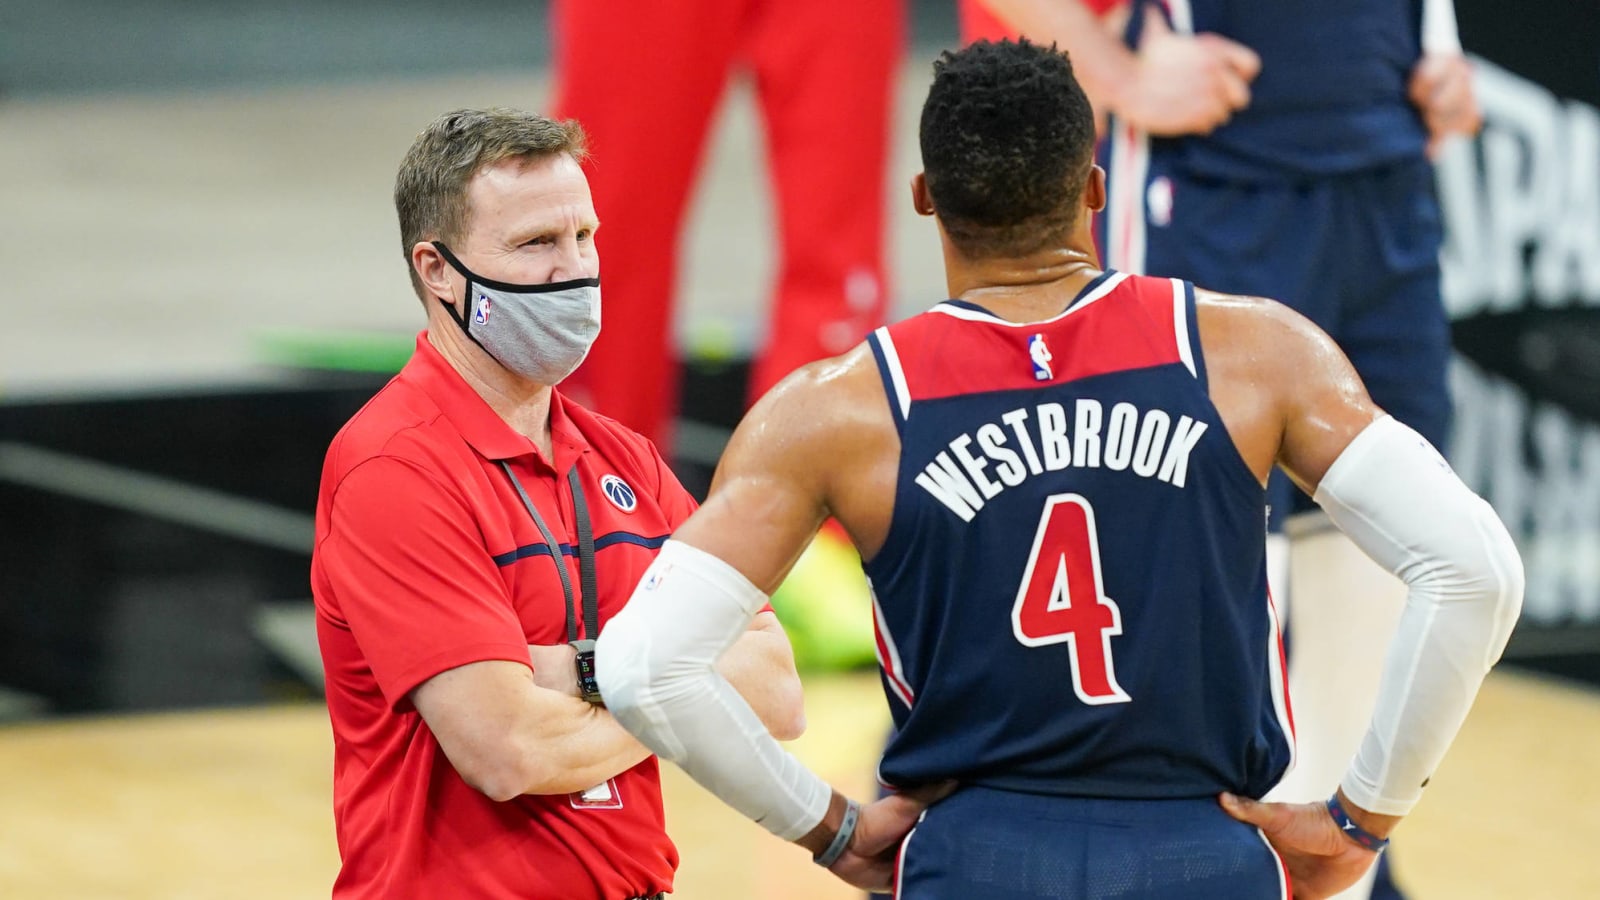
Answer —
588 687
604 795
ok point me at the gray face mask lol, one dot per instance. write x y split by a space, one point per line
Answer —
539 331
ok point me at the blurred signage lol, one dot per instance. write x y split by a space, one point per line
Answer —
1522 282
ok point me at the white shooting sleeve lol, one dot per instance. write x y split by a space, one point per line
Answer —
1439 33
656 669
1398 500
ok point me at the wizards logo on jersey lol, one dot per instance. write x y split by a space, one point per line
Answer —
619 493
1039 353
480 315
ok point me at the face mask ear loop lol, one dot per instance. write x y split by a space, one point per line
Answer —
461 319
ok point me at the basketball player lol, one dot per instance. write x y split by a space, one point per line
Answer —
1315 189
1057 479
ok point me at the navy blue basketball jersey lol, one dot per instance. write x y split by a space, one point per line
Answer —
1331 97
1072 595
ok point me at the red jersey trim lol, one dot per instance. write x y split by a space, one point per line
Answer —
1122 324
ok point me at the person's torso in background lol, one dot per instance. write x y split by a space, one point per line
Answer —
1331 97
1072 596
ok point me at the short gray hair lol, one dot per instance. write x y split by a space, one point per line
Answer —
430 192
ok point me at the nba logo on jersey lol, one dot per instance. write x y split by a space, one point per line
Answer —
1039 352
480 315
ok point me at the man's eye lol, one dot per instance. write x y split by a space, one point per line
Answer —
542 239
584 234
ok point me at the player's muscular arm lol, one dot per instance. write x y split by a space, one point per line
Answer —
1285 391
821 442
1260 357
760 666
1392 494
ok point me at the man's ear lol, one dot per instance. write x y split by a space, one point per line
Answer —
1094 190
920 199
434 272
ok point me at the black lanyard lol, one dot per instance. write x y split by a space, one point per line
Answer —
580 509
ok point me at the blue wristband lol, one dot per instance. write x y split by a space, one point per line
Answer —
841 838
1351 830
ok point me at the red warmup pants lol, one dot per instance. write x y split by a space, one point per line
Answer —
644 78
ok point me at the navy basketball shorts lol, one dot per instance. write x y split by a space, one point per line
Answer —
1003 845
1357 254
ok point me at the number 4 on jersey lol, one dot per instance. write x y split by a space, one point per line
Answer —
1062 598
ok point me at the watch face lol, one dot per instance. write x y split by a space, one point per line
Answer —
587 685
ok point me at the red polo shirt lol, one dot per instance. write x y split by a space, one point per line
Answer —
426 560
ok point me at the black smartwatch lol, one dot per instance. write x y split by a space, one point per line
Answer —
588 688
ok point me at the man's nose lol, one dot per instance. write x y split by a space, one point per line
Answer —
571 263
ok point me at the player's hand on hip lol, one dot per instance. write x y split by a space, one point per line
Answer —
555 668
1185 84
869 861
1441 89
1321 859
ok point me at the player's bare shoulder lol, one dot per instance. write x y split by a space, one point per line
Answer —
827 432
1272 373
835 402
824 415
1265 364
1256 338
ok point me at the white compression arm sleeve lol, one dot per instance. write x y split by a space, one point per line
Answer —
655 663
1393 494
1439 33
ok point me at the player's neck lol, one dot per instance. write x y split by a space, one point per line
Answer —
1026 288
522 404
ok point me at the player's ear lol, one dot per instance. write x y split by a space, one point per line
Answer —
1094 190
920 200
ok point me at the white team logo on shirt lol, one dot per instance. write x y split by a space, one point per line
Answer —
1039 352
1159 198
619 493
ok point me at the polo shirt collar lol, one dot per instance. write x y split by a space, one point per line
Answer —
479 425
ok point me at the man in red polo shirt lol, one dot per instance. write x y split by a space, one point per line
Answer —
474 532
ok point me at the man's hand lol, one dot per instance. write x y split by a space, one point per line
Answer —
1321 860
555 668
1185 84
869 861
1441 89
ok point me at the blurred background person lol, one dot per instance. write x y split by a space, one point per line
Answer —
645 78
1282 163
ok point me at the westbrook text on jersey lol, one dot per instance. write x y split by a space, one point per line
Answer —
1049 439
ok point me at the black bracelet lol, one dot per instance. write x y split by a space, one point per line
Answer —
841 838
1351 830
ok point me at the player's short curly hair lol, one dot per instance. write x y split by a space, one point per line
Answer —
430 191
1007 140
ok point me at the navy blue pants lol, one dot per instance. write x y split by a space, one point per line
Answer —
1357 254
1003 845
